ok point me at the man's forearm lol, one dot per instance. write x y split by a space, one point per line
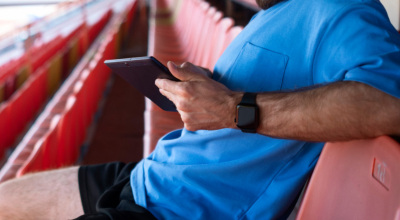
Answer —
336 112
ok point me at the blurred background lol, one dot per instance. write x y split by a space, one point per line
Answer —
61 106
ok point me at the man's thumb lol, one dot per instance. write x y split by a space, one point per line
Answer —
181 73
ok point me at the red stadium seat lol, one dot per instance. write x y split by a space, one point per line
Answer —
25 102
83 117
232 34
9 87
54 74
2 92
355 180
44 153
206 35
209 46
189 44
67 137
5 140
217 44
21 76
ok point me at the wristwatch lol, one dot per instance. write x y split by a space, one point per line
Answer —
247 113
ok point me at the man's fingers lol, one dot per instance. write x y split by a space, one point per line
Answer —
167 85
167 94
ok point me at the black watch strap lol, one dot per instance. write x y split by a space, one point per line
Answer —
249 99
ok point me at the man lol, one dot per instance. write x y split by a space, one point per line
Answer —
323 70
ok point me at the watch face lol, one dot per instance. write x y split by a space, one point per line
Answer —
247 117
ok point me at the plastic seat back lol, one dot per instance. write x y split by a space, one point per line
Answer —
54 74
22 76
44 154
205 34
231 35
67 138
355 180
209 43
5 140
198 29
218 42
157 124
2 92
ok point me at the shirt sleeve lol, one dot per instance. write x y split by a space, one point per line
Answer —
360 44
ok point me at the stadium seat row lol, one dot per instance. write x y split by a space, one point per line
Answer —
70 38
55 138
42 69
183 30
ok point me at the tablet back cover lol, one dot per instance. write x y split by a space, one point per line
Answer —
142 73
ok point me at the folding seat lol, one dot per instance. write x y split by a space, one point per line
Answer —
130 15
39 88
66 69
82 116
158 123
211 46
110 48
2 87
232 34
200 36
70 57
39 56
93 81
190 45
177 38
54 74
9 87
44 154
59 44
91 87
86 90
74 53
198 31
204 38
22 76
14 66
213 18
217 44
174 25
118 42
83 42
6 71
355 180
67 137
20 111
5 139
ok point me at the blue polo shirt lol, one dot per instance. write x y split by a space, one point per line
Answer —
227 174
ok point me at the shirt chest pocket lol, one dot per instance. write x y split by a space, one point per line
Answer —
257 69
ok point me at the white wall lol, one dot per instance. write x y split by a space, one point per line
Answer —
393 10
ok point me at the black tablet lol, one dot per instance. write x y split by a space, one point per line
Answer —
141 73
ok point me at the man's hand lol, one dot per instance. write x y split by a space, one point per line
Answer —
203 103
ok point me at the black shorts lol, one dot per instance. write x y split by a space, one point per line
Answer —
106 193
